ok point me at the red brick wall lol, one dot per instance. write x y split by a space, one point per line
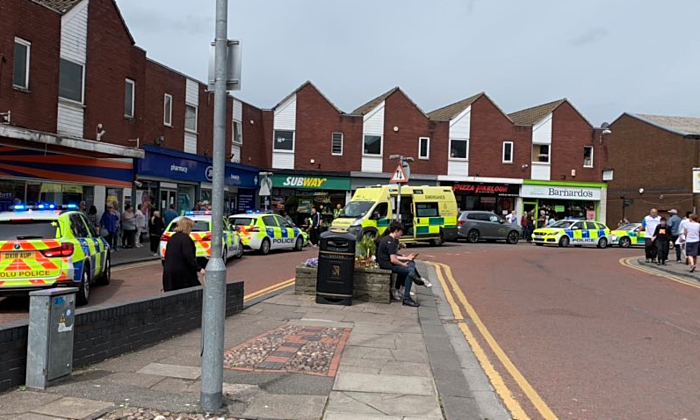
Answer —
111 59
268 118
159 81
36 109
254 148
205 124
316 120
570 133
400 112
644 156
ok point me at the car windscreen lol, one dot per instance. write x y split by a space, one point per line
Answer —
13 230
629 226
199 226
562 224
241 221
357 208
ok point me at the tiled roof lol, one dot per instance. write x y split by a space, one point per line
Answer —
373 103
686 126
61 6
450 111
535 114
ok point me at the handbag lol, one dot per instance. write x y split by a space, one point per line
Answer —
104 233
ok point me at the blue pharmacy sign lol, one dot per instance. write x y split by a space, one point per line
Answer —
170 164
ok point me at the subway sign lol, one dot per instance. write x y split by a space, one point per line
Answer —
304 182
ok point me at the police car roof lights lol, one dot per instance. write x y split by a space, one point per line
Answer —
42 206
198 213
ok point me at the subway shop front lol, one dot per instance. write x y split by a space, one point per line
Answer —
565 200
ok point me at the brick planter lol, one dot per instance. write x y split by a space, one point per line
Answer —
369 284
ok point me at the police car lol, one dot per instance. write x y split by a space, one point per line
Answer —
574 232
201 235
627 235
45 246
267 232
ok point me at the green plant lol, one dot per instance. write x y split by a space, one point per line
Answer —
365 252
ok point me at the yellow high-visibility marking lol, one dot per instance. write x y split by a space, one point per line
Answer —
495 378
529 391
627 263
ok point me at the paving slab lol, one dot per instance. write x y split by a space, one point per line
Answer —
176 386
389 384
34 416
72 408
18 402
173 371
141 381
424 407
298 407
406 369
350 416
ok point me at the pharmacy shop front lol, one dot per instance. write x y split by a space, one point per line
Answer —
575 200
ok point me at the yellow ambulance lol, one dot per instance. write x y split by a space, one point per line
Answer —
429 214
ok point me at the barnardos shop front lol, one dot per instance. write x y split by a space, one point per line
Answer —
575 200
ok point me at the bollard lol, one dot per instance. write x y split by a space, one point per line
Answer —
50 338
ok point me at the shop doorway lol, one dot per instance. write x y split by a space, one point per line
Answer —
167 198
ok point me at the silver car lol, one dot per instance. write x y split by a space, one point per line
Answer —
475 225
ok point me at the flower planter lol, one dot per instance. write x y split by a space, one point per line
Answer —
369 284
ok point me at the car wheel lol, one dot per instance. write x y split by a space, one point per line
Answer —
625 242
513 237
84 289
299 245
265 246
239 254
473 236
439 241
106 276
564 241
603 243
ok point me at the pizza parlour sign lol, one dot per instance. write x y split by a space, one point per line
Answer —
487 189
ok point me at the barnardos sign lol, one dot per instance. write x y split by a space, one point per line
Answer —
557 192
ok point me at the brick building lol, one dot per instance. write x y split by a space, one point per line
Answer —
653 158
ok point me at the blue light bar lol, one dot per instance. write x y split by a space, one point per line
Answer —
69 206
198 213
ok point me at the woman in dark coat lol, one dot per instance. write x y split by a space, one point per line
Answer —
181 267
155 229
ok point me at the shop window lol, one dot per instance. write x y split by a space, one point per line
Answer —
337 144
540 153
20 76
424 148
284 141
269 221
191 118
458 149
588 157
237 132
129 94
427 210
507 152
373 145
168 110
70 81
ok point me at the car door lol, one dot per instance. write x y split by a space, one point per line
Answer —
80 233
100 251
577 233
272 231
286 233
498 227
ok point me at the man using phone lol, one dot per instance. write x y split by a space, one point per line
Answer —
388 258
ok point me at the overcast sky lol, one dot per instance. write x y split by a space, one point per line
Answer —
607 57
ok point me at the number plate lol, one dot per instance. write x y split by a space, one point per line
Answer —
16 255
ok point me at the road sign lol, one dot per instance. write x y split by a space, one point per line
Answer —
399 176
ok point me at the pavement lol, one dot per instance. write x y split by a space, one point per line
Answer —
285 357
125 256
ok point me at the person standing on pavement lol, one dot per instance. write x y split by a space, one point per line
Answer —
108 223
542 221
315 226
140 225
388 259
155 229
170 214
512 218
662 239
129 224
649 223
681 238
692 240
181 269
525 226
338 211
674 225
92 218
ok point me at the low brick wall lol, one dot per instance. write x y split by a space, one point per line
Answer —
371 285
106 331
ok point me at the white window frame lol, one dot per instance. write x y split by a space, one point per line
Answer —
27 62
549 156
427 156
503 152
196 119
381 145
584 159
449 151
341 143
274 141
237 141
82 89
167 113
133 98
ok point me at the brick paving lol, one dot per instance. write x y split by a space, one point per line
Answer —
292 349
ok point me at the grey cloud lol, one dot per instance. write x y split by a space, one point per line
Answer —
589 37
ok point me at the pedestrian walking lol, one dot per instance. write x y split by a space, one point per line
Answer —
155 229
92 218
681 238
129 225
662 240
181 268
109 226
140 225
674 225
512 218
649 224
692 239
170 214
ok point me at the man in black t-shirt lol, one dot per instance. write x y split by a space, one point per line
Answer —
388 259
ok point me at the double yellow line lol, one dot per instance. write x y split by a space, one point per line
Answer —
627 262
271 289
496 379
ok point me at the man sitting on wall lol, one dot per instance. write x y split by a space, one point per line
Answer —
388 259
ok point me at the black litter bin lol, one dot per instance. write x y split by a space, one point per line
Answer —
336 266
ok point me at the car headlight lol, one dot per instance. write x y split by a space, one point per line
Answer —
357 222
613 237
